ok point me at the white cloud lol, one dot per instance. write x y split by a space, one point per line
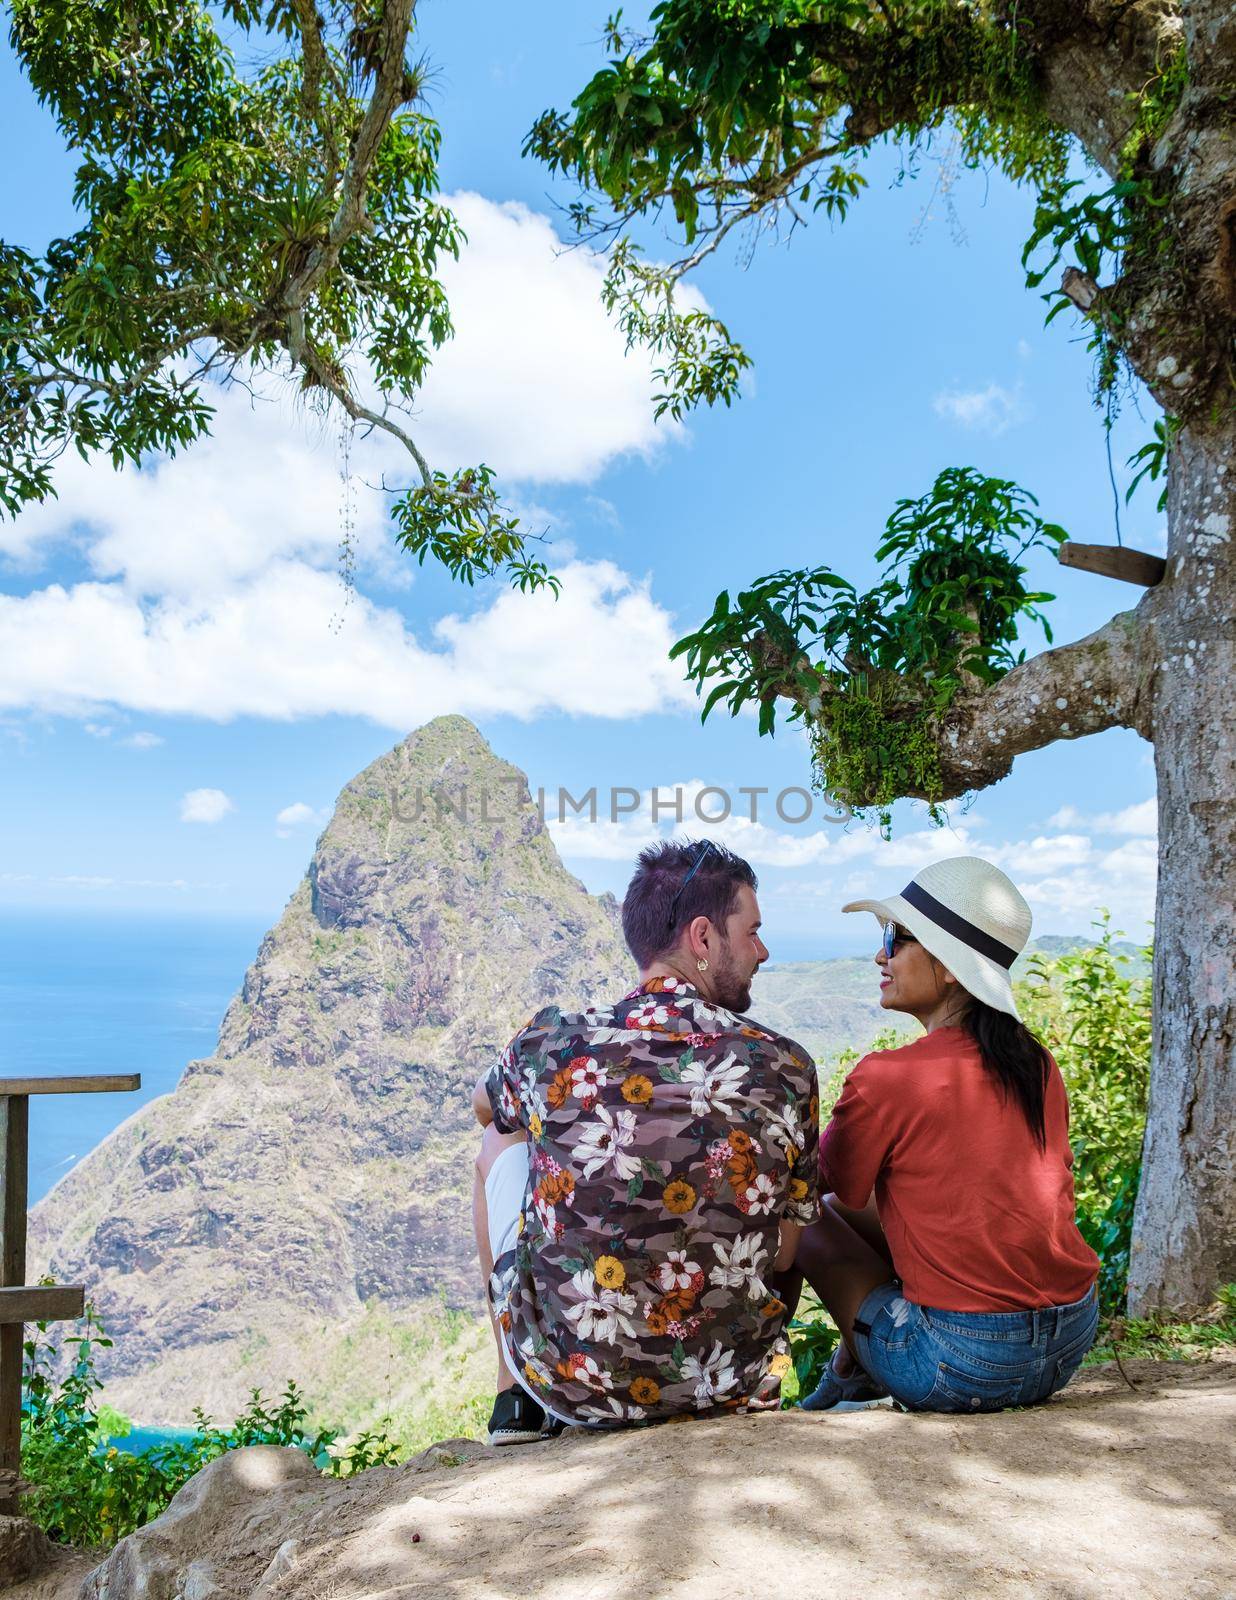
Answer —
1064 876
213 586
295 816
537 381
205 805
1027 857
263 488
142 740
1140 819
268 650
292 816
93 882
98 730
1121 881
993 409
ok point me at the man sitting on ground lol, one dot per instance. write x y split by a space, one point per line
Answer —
645 1172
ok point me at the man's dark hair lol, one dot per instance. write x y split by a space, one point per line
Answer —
652 920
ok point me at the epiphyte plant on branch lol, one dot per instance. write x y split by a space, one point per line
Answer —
872 676
271 209
759 115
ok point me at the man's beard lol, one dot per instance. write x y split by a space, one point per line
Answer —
731 990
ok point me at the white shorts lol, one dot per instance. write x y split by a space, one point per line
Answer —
506 1189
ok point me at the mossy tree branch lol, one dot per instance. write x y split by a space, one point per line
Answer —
1099 682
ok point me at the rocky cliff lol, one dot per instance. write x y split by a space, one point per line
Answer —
320 1160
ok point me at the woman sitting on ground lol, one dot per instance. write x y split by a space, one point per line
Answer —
948 1252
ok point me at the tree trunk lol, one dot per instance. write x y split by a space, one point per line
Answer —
1185 1227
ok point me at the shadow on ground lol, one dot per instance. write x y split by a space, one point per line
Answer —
1105 1491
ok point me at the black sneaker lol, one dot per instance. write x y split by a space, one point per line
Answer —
516 1418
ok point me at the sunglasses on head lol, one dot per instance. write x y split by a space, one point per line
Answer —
893 936
701 856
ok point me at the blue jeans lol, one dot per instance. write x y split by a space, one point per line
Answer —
971 1360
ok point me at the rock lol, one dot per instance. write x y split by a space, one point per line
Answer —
197 1582
320 1160
282 1563
236 1504
24 1548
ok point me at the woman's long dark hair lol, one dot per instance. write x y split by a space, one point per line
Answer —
1015 1056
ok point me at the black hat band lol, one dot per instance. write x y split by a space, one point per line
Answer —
943 917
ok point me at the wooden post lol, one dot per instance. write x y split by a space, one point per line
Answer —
18 1302
14 1137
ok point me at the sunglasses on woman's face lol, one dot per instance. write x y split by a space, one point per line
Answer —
893 936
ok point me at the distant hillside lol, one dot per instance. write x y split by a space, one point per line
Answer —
824 1005
1057 944
829 1006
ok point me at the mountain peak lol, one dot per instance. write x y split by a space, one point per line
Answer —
319 1160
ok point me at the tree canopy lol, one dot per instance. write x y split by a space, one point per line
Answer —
762 114
265 206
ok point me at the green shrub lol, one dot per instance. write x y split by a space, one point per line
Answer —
1091 1008
1166 1339
813 1338
87 1492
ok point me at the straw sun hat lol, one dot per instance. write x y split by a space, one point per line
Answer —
968 915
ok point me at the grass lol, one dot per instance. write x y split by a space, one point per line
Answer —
1165 1339
418 1376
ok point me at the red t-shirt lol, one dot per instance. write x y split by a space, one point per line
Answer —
977 1217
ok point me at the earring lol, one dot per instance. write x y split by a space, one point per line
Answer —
701 966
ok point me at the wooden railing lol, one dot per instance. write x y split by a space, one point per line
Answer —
21 1302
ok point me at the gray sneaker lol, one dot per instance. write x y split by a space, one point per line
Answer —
856 1392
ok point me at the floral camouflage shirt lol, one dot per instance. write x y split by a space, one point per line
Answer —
668 1138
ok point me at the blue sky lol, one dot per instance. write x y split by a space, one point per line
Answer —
179 670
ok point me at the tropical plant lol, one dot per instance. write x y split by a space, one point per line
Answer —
86 1491
944 616
1094 1014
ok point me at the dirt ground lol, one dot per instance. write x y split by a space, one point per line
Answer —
1106 1491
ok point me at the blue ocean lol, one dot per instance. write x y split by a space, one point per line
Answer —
86 993
83 993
